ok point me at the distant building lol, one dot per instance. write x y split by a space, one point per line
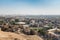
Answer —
54 33
20 23
46 26
26 26
12 20
32 21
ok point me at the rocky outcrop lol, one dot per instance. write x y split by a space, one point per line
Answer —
14 36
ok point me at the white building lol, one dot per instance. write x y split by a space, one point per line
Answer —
54 33
20 23
26 26
46 26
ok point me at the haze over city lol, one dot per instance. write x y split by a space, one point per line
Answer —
29 7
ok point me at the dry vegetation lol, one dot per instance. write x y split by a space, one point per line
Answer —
14 36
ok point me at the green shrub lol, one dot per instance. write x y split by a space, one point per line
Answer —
16 20
13 23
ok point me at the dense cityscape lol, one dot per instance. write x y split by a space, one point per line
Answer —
29 19
45 26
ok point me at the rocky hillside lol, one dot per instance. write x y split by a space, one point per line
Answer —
14 36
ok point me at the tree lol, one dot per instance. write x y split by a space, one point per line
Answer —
1 22
12 22
42 31
16 20
33 32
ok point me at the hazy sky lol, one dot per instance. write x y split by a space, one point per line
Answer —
29 7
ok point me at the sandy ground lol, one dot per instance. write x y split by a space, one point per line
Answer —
14 36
